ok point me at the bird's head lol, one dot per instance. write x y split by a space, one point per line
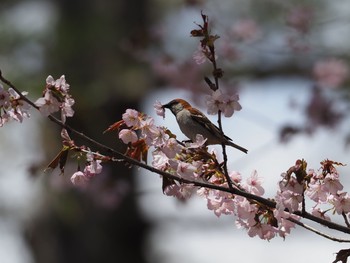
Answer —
177 105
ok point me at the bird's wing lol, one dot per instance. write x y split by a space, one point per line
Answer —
205 122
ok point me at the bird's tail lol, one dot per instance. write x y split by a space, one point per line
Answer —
237 147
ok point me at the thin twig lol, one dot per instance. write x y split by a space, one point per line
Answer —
314 230
227 176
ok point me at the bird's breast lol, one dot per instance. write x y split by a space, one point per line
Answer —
190 127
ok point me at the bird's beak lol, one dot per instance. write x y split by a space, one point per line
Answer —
166 106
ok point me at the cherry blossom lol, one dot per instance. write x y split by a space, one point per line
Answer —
159 160
321 214
341 203
284 225
153 134
128 136
231 105
55 98
59 84
264 231
215 102
12 106
48 104
19 109
93 168
220 203
316 192
131 118
171 147
4 98
66 108
200 142
160 111
79 179
331 184
254 184
226 103
246 212
236 177
182 192
187 170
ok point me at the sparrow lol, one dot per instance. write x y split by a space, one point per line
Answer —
192 122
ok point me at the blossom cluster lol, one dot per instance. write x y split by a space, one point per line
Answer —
56 98
258 219
193 162
92 167
322 187
15 106
226 103
12 106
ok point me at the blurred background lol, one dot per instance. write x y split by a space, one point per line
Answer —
288 61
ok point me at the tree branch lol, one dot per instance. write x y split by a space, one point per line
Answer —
268 202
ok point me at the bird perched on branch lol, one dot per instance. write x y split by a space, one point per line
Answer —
192 122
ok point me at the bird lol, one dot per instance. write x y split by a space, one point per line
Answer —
192 122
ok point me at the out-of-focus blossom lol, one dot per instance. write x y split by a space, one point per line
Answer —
199 56
203 54
300 18
331 72
180 74
245 30
298 44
